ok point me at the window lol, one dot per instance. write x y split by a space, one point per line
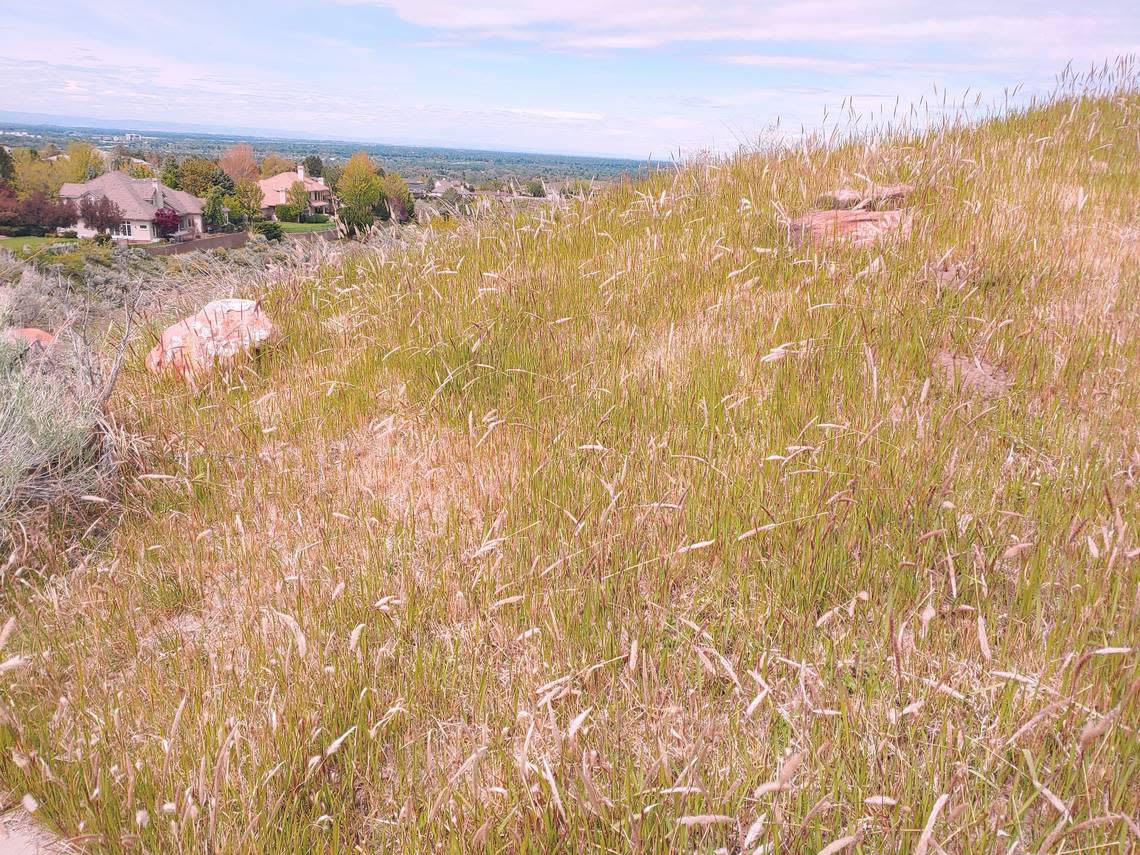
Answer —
122 230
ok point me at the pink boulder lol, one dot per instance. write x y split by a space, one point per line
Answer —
30 336
858 228
223 329
877 197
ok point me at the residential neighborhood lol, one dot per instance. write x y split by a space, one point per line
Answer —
128 195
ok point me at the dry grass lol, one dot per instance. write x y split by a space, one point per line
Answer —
628 526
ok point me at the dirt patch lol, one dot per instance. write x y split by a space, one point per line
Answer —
972 375
421 472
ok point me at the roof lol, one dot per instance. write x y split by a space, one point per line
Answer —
275 185
136 196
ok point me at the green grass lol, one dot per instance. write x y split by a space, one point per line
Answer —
289 228
17 245
627 526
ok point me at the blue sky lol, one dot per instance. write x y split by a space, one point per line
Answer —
632 78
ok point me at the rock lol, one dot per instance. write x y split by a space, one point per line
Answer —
215 335
878 197
972 375
30 336
859 228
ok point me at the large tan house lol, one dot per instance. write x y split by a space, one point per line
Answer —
139 199
275 191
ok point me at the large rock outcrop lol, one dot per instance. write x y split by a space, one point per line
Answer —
194 346
877 197
858 228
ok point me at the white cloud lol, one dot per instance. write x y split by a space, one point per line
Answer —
799 63
1016 29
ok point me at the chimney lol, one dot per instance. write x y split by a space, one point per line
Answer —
158 200
301 172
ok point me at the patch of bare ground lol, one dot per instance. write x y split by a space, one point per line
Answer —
972 375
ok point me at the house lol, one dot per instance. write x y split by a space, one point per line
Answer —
275 191
139 199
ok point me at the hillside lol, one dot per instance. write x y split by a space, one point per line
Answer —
634 527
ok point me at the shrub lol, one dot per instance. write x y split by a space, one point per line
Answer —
288 213
166 221
55 444
269 229
316 218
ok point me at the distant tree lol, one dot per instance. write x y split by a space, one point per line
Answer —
238 163
536 188
34 174
196 175
169 173
244 204
9 208
358 192
139 170
275 164
7 165
38 213
120 158
99 213
333 171
299 196
397 197
83 162
314 166
577 187
221 180
214 208
166 221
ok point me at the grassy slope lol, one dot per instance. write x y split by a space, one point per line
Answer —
420 575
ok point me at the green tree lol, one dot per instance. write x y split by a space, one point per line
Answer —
358 192
7 165
314 166
298 196
333 171
169 173
34 174
398 198
214 208
244 204
536 188
275 164
196 175
83 162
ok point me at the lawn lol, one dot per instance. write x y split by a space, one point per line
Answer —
16 244
631 526
293 228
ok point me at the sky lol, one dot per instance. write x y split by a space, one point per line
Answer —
628 78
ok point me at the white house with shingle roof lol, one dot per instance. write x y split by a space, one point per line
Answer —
139 199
